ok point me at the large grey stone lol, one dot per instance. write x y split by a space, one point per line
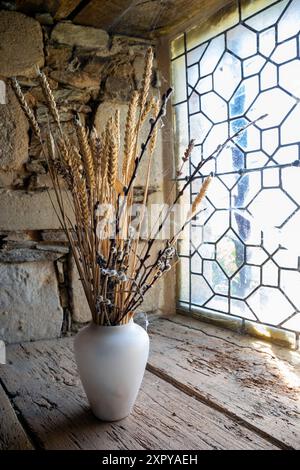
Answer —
22 210
22 255
21 42
83 36
13 133
80 309
29 302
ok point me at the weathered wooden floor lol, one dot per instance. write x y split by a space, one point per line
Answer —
205 388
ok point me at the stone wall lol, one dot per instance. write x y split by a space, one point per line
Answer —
90 73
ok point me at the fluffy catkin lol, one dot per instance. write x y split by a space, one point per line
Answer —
26 108
49 97
86 154
129 141
146 78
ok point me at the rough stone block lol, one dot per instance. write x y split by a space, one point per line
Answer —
21 42
83 36
22 210
80 309
29 303
13 133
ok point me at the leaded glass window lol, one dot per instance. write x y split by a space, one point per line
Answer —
241 256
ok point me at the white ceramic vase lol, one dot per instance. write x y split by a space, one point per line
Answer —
111 361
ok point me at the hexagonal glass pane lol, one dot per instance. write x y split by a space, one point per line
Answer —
193 75
230 159
289 24
194 103
289 236
248 139
256 159
265 202
218 194
287 74
241 309
270 274
268 76
196 263
218 303
216 226
212 55
227 75
289 130
196 54
215 277
200 291
287 154
207 251
245 281
270 140
255 255
214 107
230 253
245 190
285 51
243 97
276 103
199 127
290 182
204 85
293 323
246 227
271 178
217 136
289 283
241 41
267 42
267 17
253 65
286 259
270 305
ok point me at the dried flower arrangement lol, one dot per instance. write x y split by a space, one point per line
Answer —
115 271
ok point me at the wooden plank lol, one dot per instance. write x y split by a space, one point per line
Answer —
43 380
247 378
66 7
145 18
12 435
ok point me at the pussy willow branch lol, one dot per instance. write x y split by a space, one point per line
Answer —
150 242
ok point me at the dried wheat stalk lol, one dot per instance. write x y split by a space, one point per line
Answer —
114 271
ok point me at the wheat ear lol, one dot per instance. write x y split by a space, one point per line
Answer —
26 108
148 107
200 196
146 78
49 97
129 141
86 153
113 156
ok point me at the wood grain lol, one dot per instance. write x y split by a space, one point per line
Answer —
245 377
12 434
42 379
